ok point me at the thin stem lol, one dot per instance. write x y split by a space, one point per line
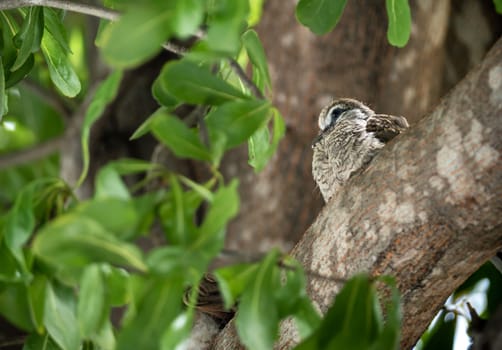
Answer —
245 79
36 152
86 9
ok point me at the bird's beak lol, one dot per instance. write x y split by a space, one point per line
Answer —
316 140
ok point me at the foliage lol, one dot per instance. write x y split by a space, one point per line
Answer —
65 263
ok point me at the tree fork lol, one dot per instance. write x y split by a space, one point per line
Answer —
428 209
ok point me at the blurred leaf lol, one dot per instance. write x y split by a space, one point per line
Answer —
73 241
60 69
91 310
257 318
177 331
255 11
14 306
498 6
3 96
399 29
224 207
178 231
30 35
36 301
353 322
232 281
181 140
188 82
168 259
105 93
20 224
60 319
53 21
227 19
493 295
127 166
36 342
257 55
320 16
116 279
8 266
105 338
158 306
187 17
237 120
139 33
110 185
440 336
389 337
260 148
162 95
12 78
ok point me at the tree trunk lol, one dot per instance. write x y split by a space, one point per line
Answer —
428 210
355 60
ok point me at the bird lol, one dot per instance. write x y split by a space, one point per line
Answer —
351 134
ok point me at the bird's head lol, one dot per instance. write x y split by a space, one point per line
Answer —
342 108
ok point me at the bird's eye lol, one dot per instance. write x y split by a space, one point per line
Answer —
333 114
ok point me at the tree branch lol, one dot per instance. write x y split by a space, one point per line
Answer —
86 9
428 210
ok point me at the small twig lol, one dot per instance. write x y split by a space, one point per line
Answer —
86 9
245 79
8 343
30 154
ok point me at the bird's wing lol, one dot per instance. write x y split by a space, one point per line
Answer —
386 127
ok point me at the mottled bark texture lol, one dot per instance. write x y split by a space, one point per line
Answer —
355 60
428 210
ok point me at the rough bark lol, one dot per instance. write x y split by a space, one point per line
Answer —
428 210
355 60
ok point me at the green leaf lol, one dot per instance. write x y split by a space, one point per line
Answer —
105 93
127 166
181 140
110 185
442 335
30 35
14 306
19 226
398 32
36 301
257 55
187 17
35 341
3 95
60 69
138 35
53 21
162 95
12 78
320 16
238 120
257 318
73 241
60 318
355 320
498 6
118 288
232 281
227 19
177 331
260 148
188 82
157 307
224 207
91 309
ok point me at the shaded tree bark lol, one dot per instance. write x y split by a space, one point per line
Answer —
428 210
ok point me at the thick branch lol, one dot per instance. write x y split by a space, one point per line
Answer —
428 210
